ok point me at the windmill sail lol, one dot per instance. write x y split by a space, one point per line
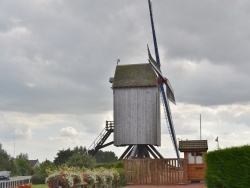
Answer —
170 92
171 96
156 67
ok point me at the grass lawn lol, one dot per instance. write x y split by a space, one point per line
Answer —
39 186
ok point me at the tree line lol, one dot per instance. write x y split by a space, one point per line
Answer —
18 166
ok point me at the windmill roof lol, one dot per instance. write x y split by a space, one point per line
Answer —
193 145
134 75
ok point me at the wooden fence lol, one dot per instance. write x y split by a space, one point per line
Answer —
155 171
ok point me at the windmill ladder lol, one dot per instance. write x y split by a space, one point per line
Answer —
101 138
166 117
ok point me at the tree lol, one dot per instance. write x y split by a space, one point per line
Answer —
23 156
23 165
81 160
105 157
80 149
4 159
13 167
63 156
40 172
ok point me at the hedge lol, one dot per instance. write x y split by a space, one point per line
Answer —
228 168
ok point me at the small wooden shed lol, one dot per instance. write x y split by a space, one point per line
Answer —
136 105
194 154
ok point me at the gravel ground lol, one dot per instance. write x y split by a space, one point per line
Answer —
192 185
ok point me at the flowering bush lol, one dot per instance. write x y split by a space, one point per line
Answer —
68 177
89 176
100 177
23 186
109 175
109 178
115 174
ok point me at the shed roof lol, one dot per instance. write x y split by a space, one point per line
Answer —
193 145
134 75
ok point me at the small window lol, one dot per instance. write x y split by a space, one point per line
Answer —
198 158
191 158
195 158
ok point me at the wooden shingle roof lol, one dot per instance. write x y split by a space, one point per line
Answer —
134 75
193 145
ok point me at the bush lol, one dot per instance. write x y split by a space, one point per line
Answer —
38 178
119 164
229 167
80 160
104 165
121 172
69 176
40 172
66 176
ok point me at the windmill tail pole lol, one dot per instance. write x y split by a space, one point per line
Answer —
154 35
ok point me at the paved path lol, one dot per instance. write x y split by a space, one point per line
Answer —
192 185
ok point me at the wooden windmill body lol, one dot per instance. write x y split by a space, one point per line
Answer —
136 106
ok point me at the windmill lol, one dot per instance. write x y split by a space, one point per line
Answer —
136 97
137 105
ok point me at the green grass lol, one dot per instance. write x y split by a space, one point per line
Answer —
39 186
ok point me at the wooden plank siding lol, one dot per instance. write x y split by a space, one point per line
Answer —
155 171
137 116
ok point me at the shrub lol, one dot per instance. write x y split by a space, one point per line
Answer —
67 177
229 167
41 173
119 164
104 165
121 172
39 178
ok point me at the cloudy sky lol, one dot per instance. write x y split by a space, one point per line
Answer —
56 57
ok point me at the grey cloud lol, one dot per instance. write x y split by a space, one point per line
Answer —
56 58
213 30
65 55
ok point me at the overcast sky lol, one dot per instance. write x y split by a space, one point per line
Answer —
56 58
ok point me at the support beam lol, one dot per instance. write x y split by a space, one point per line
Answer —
152 153
141 151
125 152
153 148
108 144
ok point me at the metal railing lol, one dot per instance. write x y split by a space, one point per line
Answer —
109 126
15 181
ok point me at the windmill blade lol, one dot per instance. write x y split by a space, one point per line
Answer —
170 92
156 67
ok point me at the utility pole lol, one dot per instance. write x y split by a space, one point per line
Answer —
200 126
